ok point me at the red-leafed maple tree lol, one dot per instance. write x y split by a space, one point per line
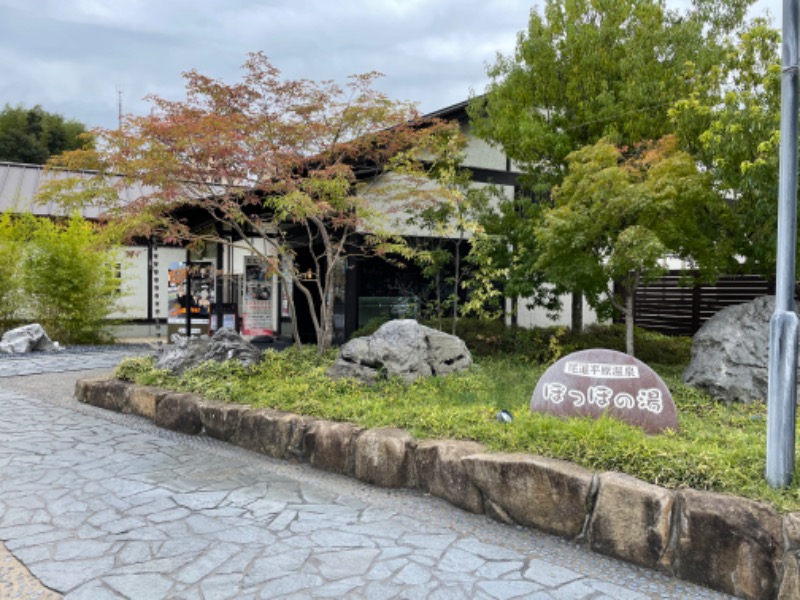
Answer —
270 164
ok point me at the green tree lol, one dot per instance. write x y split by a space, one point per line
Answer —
615 218
586 69
503 256
69 278
731 125
33 135
271 164
444 204
11 248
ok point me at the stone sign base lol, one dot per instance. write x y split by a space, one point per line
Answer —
731 544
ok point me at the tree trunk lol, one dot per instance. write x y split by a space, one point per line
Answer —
456 284
629 295
514 316
577 312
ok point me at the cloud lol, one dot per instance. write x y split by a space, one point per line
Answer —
72 55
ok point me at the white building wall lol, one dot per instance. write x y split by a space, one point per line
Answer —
538 317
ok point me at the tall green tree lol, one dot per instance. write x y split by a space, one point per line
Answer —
616 217
444 206
32 135
730 123
585 69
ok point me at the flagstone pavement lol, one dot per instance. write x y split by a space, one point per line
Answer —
97 505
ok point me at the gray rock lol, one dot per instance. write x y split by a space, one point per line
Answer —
28 338
730 352
226 344
401 348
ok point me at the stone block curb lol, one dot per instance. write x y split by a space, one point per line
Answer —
724 542
273 432
385 457
545 493
728 543
632 520
179 412
330 446
441 472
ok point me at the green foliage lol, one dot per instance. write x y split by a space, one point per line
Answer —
730 124
32 135
615 218
10 272
69 278
445 208
584 70
545 345
718 448
503 260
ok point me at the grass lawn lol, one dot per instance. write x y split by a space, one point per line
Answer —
719 447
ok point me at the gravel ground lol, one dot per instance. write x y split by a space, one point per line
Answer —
105 348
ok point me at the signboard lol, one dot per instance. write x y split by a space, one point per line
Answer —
257 301
605 382
228 317
190 288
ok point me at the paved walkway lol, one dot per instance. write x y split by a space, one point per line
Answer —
100 505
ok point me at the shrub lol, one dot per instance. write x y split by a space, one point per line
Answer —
69 279
547 344
10 273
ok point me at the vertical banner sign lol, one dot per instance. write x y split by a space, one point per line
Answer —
257 301
197 297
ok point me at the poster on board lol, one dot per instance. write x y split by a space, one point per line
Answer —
257 301
190 288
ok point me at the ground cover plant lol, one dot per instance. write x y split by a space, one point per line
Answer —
719 447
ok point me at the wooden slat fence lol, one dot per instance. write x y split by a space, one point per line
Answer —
667 307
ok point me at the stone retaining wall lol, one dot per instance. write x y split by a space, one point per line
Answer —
724 542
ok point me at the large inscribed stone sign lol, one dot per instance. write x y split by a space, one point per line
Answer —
597 382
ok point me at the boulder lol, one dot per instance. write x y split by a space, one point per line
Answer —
226 344
730 352
29 338
401 348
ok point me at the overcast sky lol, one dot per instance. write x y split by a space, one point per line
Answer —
71 56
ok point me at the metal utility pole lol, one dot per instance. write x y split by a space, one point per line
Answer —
782 391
